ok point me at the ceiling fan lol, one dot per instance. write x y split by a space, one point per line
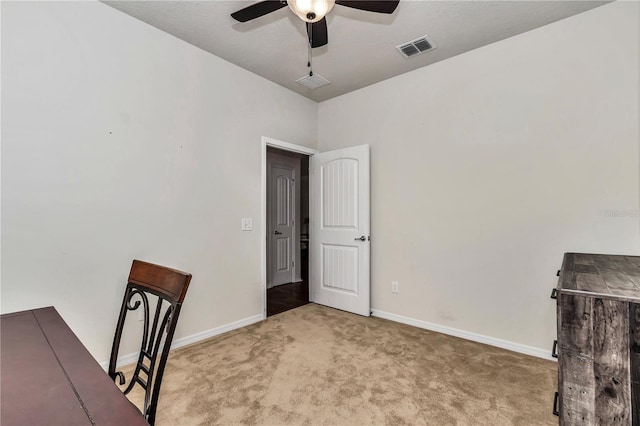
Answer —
312 12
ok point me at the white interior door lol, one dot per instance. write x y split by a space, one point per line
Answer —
282 181
339 237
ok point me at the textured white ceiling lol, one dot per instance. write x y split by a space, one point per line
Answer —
361 49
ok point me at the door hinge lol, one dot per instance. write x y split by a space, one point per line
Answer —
293 263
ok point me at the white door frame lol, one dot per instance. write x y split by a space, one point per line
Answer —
286 146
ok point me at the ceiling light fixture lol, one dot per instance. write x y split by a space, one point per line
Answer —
311 10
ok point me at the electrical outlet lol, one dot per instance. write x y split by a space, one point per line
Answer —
247 224
395 287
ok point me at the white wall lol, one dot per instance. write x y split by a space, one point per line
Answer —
487 167
120 141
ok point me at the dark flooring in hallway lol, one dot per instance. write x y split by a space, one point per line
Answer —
287 296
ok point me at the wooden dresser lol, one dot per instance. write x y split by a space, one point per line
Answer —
598 346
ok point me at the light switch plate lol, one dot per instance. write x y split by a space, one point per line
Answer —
247 224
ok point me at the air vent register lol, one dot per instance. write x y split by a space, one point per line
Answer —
415 47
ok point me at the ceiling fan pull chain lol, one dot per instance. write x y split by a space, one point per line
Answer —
309 51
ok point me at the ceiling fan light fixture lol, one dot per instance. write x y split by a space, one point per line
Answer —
311 10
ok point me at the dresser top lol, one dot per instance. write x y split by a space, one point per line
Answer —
601 275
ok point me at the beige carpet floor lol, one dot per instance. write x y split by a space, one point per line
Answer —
319 366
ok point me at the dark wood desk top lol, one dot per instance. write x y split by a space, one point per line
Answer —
48 377
601 275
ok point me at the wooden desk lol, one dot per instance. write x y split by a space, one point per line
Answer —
48 377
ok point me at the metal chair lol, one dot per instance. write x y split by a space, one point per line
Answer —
150 285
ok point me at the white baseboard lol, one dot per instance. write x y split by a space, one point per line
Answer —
187 340
504 344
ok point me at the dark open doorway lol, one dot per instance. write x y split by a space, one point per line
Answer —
283 295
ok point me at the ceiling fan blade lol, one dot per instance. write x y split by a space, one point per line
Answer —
258 9
317 33
379 6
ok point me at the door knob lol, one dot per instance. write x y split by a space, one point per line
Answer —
362 238
278 233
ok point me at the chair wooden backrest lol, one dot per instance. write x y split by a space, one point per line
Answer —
150 284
